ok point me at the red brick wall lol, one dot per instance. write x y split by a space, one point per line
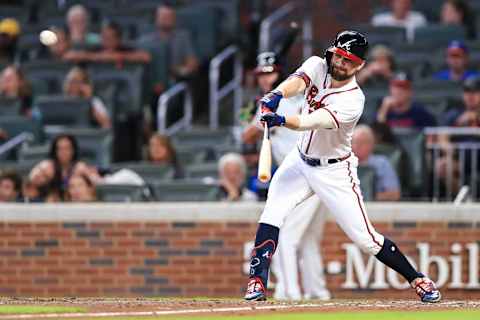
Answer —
179 258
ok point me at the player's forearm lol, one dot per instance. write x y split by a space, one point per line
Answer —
291 87
316 120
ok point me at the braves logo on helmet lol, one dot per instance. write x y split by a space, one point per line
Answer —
346 45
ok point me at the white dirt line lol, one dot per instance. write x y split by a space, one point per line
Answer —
155 313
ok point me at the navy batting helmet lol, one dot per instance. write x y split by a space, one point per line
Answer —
350 44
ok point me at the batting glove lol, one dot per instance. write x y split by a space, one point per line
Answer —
273 119
270 101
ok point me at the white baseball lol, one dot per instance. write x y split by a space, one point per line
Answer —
48 37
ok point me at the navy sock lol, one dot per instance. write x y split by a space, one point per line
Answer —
266 242
395 259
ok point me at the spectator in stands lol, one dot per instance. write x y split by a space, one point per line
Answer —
458 12
77 84
58 49
447 167
380 67
162 152
81 189
10 187
62 163
9 33
111 50
387 185
40 183
398 108
401 16
268 75
232 171
3 135
13 84
251 155
78 21
457 61
469 114
30 191
183 59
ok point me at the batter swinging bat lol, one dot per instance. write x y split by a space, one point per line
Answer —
265 161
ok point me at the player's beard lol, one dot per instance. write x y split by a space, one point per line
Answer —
339 76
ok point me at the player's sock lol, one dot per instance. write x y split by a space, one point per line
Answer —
395 259
265 245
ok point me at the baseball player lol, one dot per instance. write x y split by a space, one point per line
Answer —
323 163
302 229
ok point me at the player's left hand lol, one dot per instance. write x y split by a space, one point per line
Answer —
273 120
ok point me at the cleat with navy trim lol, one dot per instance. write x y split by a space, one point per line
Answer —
426 290
255 290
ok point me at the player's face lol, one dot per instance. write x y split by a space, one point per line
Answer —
342 68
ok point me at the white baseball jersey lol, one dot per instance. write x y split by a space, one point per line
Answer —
336 184
345 105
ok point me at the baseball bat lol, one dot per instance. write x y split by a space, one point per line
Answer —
265 160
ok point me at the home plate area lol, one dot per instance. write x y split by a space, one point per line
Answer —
137 308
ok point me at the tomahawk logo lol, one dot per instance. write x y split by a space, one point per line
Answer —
346 45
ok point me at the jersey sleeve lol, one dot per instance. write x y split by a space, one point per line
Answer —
312 69
346 111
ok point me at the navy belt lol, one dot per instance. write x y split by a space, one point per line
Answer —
314 162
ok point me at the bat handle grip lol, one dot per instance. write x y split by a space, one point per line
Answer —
266 132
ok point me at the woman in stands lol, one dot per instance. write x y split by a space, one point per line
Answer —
232 171
81 189
458 12
380 68
14 85
77 84
53 174
162 152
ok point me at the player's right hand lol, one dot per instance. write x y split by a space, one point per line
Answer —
272 119
270 101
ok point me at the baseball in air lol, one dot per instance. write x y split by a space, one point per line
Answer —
48 37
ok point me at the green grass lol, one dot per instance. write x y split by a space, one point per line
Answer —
427 315
23 309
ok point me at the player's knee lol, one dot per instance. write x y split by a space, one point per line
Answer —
272 219
370 244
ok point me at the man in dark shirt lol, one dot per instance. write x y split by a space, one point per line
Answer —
467 115
111 49
457 61
398 109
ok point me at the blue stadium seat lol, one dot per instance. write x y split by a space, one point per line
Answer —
439 34
185 191
9 106
151 173
63 111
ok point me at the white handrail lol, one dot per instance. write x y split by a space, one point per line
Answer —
267 23
452 131
460 158
234 85
16 141
163 105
